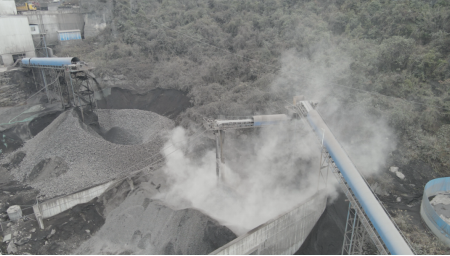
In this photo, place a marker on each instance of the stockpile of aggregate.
(140, 225)
(72, 156)
(130, 126)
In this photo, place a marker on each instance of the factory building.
(15, 38)
(8, 7)
(53, 22)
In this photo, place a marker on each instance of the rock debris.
(90, 157)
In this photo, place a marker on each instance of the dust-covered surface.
(327, 236)
(68, 155)
(441, 204)
(129, 127)
(160, 101)
(21, 123)
(140, 225)
(62, 234)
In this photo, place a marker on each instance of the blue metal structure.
(69, 35)
(264, 120)
(439, 227)
(51, 62)
(391, 237)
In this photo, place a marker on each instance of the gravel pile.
(140, 225)
(130, 126)
(91, 159)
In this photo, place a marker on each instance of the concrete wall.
(54, 21)
(97, 14)
(283, 235)
(15, 37)
(57, 205)
(8, 7)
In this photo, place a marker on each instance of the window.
(33, 29)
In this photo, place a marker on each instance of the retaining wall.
(57, 205)
(283, 235)
(437, 225)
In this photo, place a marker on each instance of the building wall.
(15, 37)
(56, 20)
(8, 7)
(36, 29)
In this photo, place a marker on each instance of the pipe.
(269, 119)
(254, 121)
(382, 223)
(59, 62)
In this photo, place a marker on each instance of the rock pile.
(90, 159)
(140, 225)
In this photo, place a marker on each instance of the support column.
(354, 235)
(218, 152)
(45, 84)
(37, 213)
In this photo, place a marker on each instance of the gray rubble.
(148, 226)
(90, 158)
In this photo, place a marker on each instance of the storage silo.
(8, 7)
(15, 38)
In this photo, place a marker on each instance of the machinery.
(219, 126)
(27, 6)
(76, 89)
(245, 122)
(366, 217)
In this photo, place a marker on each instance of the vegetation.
(230, 51)
(235, 58)
(423, 241)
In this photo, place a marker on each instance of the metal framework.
(358, 225)
(219, 126)
(77, 92)
(355, 233)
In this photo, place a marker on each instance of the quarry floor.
(66, 233)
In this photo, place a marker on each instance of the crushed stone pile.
(72, 156)
(140, 225)
(129, 127)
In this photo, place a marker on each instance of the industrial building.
(15, 35)
(54, 22)
(8, 7)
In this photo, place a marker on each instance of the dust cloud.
(322, 74)
(269, 171)
(266, 173)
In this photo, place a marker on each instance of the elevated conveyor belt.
(380, 221)
(54, 62)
